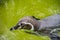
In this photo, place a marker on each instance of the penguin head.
(26, 25)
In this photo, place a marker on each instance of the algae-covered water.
(12, 10)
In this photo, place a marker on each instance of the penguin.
(45, 25)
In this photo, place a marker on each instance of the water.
(12, 10)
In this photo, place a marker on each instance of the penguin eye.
(21, 24)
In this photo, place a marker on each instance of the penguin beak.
(11, 29)
(21, 27)
(15, 27)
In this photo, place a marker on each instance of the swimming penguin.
(31, 23)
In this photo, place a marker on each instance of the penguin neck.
(42, 24)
